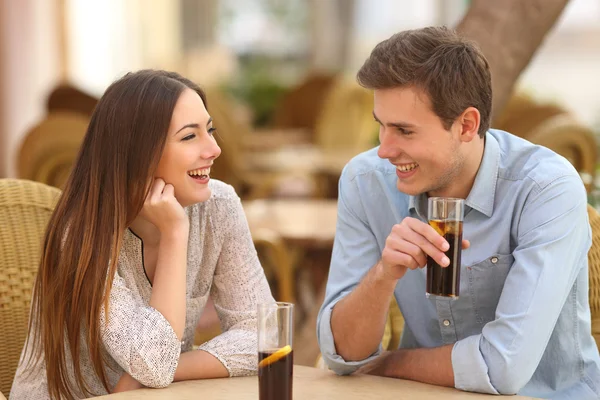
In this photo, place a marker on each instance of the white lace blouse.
(222, 263)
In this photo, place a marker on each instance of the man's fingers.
(428, 248)
(406, 247)
(396, 258)
(428, 233)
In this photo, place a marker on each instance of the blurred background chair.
(50, 148)
(550, 125)
(346, 119)
(301, 106)
(25, 208)
(69, 98)
(594, 275)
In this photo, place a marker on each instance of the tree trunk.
(331, 34)
(509, 32)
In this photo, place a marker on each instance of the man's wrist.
(392, 365)
(381, 277)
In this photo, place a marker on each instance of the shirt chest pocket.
(486, 281)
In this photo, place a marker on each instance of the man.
(522, 321)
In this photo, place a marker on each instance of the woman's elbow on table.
(155, 372)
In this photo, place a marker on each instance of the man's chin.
(409, 189)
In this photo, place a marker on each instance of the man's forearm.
(199, 364)
(433, 366)
(358, 320)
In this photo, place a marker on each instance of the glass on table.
(275, 350)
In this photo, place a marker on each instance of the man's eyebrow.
(399, 124)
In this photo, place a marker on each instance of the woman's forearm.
(199, 364)
(169, 285)
(126, 382)
(196, 364)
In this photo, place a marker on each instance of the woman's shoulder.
(221, 191)
(222, 202)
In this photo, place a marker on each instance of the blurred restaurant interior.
(280, 80)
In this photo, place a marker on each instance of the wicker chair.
(65, 97)
(594, 268)
(25, 208)
(549, 125)
(300, 107)
(50, 148)
(346, 119)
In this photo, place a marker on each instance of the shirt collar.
(482, 194)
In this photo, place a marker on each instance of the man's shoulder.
(526, 162)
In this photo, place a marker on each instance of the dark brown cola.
(275, 378)
(446, 281)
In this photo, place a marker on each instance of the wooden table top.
(307, 221)
(309, 384)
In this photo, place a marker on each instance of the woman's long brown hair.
(103, 195)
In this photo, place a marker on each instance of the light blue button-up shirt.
(522, 322)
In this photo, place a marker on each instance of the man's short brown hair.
(450, 69)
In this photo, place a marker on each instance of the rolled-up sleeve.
(139, 338)
(239, 284)
(355, 251)
(553, 240)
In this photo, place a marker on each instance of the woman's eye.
(189, 137)
(212, 131)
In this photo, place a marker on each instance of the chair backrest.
(550, 125)
(569, 138)
(523, 114)
(346, 120)
(300, 107)
(50, 148)
(25, 208)
(594, 274)
(66, 97)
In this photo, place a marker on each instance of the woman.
(138, 241)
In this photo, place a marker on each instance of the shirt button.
(446, 322)
(494, 260)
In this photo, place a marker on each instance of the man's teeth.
(407, 167)
(200, 172)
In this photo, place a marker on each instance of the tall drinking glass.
(446, 217)
(275, 354)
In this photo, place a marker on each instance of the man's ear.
(467, 124)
